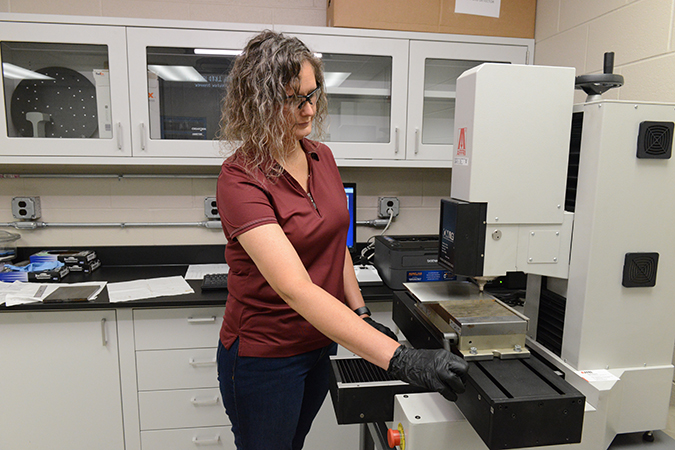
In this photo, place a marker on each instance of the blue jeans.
(272, 402)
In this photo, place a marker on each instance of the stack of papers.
(19, 293)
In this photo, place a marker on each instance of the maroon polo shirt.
(265, 325)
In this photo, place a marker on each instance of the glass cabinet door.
(434, 69)
(366, 84)
(64, 90)
(177, 82)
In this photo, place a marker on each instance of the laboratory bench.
(120, 264)
(130, 375)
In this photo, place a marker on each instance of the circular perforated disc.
(69, 99)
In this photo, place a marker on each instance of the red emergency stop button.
(393, 438)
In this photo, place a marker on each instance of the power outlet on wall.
(211, 209)
(26, 208)
(388, 204)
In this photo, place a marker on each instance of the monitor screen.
(350, 191)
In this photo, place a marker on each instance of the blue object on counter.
(36, 267)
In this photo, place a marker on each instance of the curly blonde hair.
(253, 114)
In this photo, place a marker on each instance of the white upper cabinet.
(433, 72)
(142, 92)
(177, 81)
(65, 91)
(366, 84)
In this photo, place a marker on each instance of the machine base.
(512, 403)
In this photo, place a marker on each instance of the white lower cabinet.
(174, 369)
(179, 401)
(181, 408)
(60, 381)
(191, 438)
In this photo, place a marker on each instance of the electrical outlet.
(386, 204)
(210, 208)
(27, 208)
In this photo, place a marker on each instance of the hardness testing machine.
(577, 197)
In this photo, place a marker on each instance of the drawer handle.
(213, 441)
(195, 363)
(120, 140)
(104, 333)
(211, 319)
(205, 402)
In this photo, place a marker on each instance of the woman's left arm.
(353, 296)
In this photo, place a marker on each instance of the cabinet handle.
(213, 441)
(104, 333)
(119, 136)
(417, 140)
(144, 139)
(205, 402)
(195, 363)
(211, 319)
(396, 140)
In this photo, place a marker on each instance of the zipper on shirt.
(309, 195)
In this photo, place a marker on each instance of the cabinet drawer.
(191, 438)
(176, 369)
(185, 408)
(159, 329)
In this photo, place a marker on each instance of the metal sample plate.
(484, 325)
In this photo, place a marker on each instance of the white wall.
(577, 33)
(182, 200)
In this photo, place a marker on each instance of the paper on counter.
(197, 271)
(20, 292)
(148, 288)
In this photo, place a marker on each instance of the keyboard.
(214, 281)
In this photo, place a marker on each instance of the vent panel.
(639, 269)
(655, 140)
(360, 371)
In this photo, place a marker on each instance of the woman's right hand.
(437, 370)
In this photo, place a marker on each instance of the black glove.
(381, 328)
(437, 370)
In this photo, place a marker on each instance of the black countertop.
(145, 262)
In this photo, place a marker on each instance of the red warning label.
(461, 142)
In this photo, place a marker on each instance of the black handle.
(609, 62)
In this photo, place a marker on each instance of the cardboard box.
(516, 18)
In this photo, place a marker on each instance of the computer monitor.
(350, 191)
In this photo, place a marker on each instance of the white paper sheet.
(148, 288)
(19, 292)
(197, 271)
(489, 8)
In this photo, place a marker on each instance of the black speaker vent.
(655, 140)
(639, 269)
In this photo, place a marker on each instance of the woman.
(293, 292)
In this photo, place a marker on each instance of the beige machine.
(587, 215)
